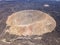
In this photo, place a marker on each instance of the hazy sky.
(57, 0)
(16, 0)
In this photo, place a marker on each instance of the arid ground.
(9, 7)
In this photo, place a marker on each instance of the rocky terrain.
(7, 8)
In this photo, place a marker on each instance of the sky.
(16, 0)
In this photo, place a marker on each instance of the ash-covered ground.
(9, 7)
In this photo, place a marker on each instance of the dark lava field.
(9, 7)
